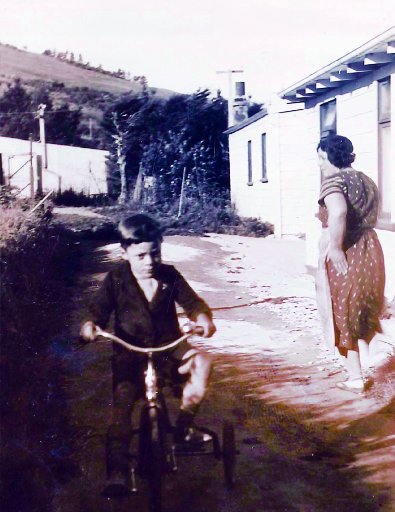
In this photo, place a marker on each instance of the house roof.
(250, 120)
(372, 55)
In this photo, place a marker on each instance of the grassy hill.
(28, 66)
(93, 92)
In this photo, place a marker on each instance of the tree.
(18, 116)
(254, 108)
(120, 142)
(63, 126)
(162, 138)
(136, 119)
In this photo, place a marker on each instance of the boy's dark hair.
(139, 228)
(339, 150)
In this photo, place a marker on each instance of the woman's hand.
(338, 259)
(202, 320)
(88, 331)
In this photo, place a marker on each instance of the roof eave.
(371, 55)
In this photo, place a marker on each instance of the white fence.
(81, 169)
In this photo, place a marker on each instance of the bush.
(215, 215)
(35, 264)
(71, 198)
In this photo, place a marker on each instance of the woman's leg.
(353, 364)
(363, 347)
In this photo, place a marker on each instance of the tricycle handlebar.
(147, 350)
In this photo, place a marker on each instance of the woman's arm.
(337, 214)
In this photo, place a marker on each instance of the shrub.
(214, 215)
(71, 198)
(34, 266)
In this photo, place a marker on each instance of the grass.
(32, 66)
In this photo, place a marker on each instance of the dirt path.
(304, 445)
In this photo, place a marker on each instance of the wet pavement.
(304, 445)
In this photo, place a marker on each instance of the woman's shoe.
(369, 381)
(355, 386)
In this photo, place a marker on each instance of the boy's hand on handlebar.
(206, 324)
(88, 331)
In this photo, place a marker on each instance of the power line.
(35, 113)
(15, 113)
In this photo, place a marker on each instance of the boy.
(142, 293)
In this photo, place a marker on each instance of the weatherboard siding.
(254, 199)
(298, 171)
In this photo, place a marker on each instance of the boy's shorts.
(130, 367)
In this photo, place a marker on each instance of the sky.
(182, 44)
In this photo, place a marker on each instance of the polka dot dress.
(358, 296)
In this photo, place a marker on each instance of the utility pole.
(31, 172)
(230, 73)
(40, 113)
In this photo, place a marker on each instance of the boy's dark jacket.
(138, 321)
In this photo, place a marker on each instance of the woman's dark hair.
(339, 150)
(139, 228)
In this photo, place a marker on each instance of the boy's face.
(143, 258)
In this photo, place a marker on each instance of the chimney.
(240, 103)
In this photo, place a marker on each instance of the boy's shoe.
(190, 437)
(116, 486)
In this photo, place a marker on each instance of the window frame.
(383, 123)
(264, 178)
(325, 108)
(249, 169)
(384, 117)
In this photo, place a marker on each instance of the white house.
(63, 167)
(273, 164)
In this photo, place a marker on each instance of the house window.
(263, 150)
(384, 147)
(249, 182)
(384, 99)
(327, 118)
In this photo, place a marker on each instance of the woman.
(353, 256)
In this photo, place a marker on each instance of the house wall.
(255, 199)
(289, 199)
(82, 169)
(299, 176)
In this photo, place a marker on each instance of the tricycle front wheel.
(152, 453)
